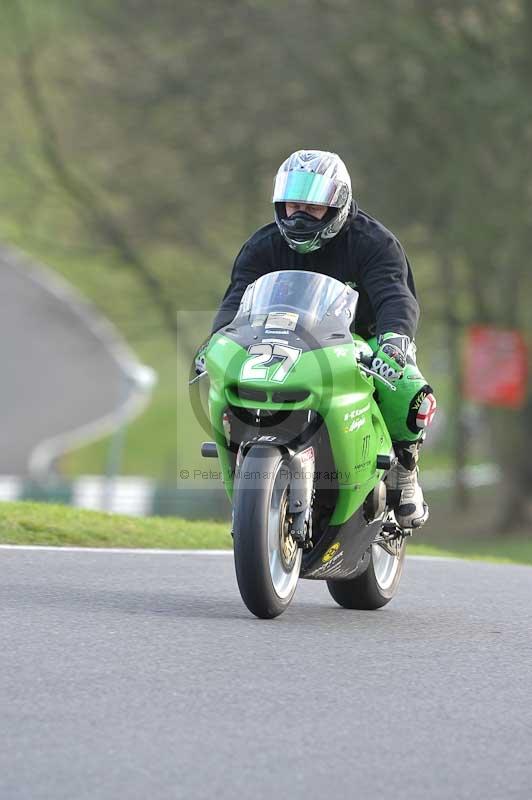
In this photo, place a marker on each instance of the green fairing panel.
(339, 392)
(222, 369)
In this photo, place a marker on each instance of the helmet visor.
(300, 186)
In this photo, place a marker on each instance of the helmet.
(315, 177)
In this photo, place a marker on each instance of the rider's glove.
(390, 359)
(199, 358)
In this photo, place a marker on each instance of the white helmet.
(314, 177)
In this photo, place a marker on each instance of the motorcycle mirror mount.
(197, 378)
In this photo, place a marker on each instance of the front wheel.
(267, 559)
(378, 583)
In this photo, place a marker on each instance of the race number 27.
(257, 365)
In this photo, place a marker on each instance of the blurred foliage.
(144, 138)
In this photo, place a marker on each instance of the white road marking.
(129, 550)
(155, 552)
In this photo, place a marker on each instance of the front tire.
(267, 560)
(376, 586)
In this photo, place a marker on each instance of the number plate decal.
(269, 362)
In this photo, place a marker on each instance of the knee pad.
(421, 410)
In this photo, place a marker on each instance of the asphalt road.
(143, 676)
(56, 374)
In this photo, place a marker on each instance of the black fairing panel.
(330, 331)
(340, 551)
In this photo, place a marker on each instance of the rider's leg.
(411, 510)
(407, 411)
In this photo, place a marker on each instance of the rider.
(318, 227)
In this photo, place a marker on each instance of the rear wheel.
(267, 559)
(378, 583)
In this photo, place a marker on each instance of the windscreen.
(307, 293)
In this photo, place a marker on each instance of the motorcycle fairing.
(340, 553)
(330, 384)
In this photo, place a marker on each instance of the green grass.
(47, 524)
(506, 550)
(150, 442)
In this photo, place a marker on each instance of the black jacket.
(364, 253)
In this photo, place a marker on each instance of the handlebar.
(365, 362)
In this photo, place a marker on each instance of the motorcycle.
(302, 445)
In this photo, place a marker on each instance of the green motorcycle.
(303, 447)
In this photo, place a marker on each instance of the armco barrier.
(190, 503)
(129, 495)
(51, 493)
(139, 496)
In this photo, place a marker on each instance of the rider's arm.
(246, 269)
(387, 279)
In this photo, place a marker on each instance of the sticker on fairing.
(331, 552)
(282, 319)
(356, 412)
(260, 360)
(355, 425)
(307, 455)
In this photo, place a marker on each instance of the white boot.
(410, 508)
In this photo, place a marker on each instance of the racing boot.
(406, 494)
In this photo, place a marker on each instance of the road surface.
(56, 373)
(144, 676)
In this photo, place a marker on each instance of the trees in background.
(163, 127)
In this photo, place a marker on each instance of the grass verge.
(47, 524)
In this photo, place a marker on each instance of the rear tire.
(267, 561)
(377, 584)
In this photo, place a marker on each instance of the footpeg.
(391, 530)
(390, 527)
(385, 462)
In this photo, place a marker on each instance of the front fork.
(301, 496)
(301, 486)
